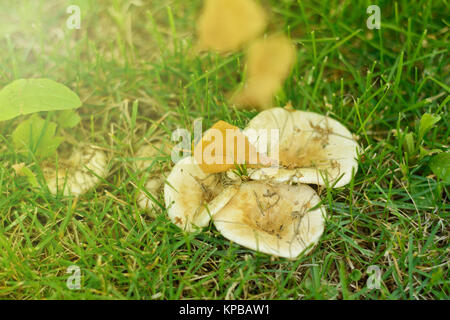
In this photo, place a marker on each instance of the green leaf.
(440, 165)
(68, 119)
(37, 135)
(425, 152)
(426, 123)
(409, 143)
(26, 96)
(437, 275)
(30, 176)
(355, 275)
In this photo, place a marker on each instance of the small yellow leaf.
(226, 25)
(18, 168)
(269, 62)
(223, 146)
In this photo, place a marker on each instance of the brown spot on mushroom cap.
(303, 151)
(272, 218)
(312, 148)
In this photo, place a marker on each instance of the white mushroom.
(277, 219)
(311, 148)
(146, 157)
(77, 174)
(192, 196)
(153, 187)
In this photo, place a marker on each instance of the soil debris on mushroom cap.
(277, 219)
(312, 148)
(77, 174)
(192, 196)
(226, 25)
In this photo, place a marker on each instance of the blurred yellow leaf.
(269, 62)
(226, 25)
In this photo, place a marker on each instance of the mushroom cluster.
(77, 174)
(268, 209)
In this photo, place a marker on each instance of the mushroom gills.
(192, 196)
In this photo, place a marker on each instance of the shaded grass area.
(393, 215)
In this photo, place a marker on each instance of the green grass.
(394, 214)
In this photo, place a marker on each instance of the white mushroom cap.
(153, 187)
(77, 174)
(312, 148)
(272, 218)
(192, 196)
(146, 156)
